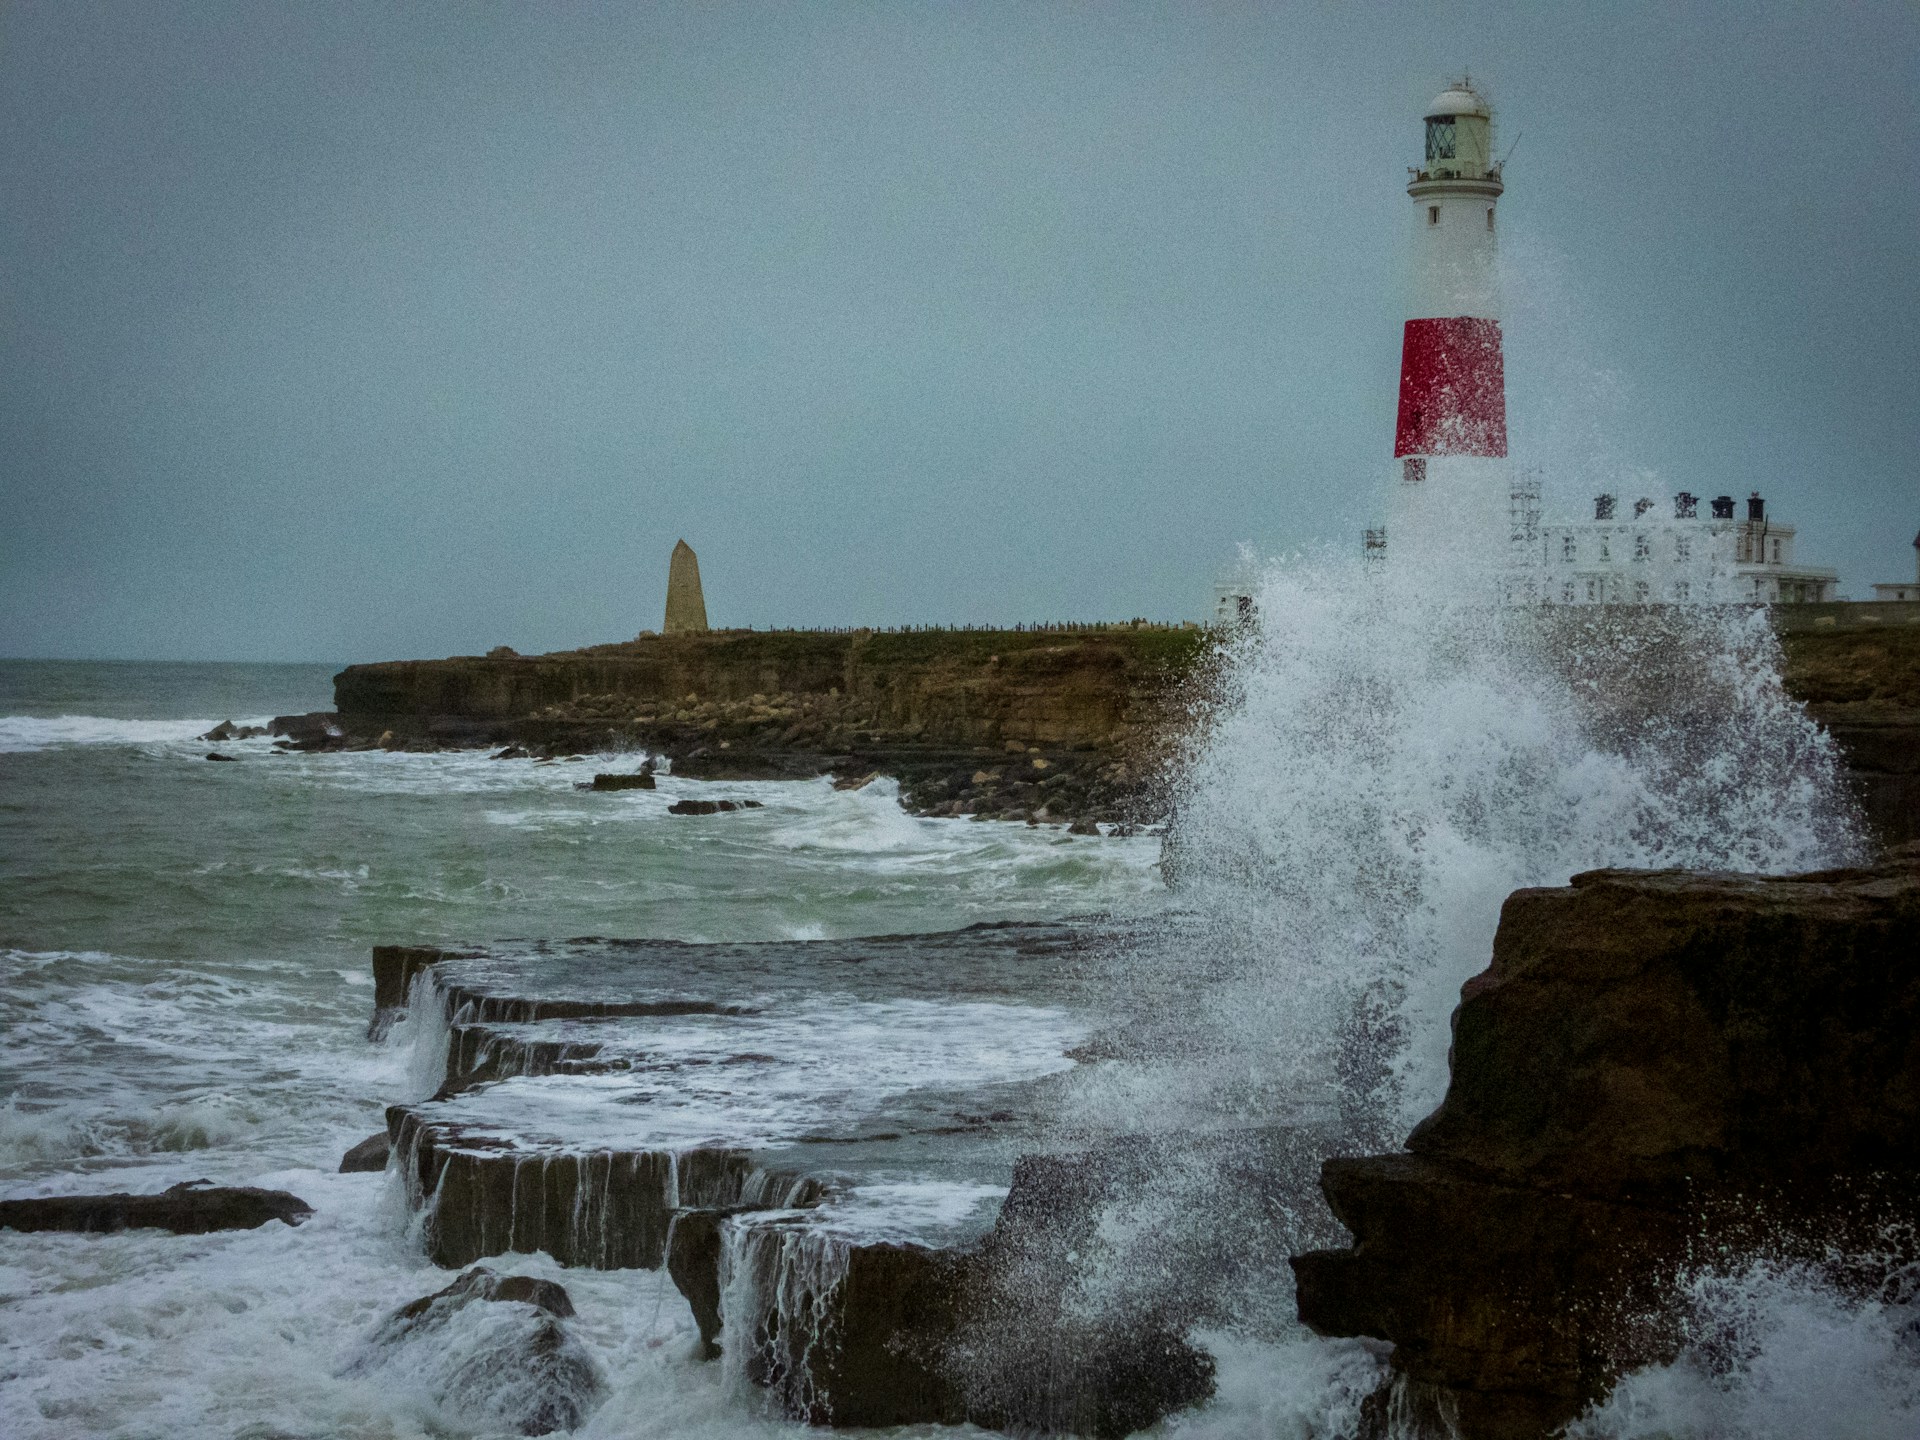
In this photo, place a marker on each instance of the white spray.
(1382, 759)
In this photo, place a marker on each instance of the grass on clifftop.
(1153, 645)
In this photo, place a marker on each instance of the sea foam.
(25, 733)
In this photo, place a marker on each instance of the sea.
(187, 991)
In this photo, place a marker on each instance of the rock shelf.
(599, 1107)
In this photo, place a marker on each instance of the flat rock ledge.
(1657, 1066)
(836, 1332)
(872, 1334)
(191, 1208)
(601, 1209)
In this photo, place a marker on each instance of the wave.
(1778, 1352)
(26, 733)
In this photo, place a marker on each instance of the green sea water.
(185, 988)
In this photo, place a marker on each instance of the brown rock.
(642, 781)
(531, 1376)
(192, 1208)
(693, 1263)
(370, 1154)
(1657, 1065)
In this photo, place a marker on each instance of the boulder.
(216, 755)
(316, 730)
(227, 730)
(710, 807)
(493, 1353)
(369, 1155)
(1657, 1065)
(482, 1283)
(693, 1262)
(642, 781)
(195, 1207)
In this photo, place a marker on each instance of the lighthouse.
(1451, 483)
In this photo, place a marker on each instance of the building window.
(1414, 469)
(1640, 592)
(1606, 551)
(1682, 591)
(1593, 591)
(1683, 547)
(1489, 217)
(1776, 552)
(1642, 547)
(1569, 549)
(1433, 214)
(1566, 593)
(1440, 134)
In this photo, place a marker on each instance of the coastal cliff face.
(953, 688)
(941, 710)
(1857, 668)
(1047, 725)
(1657, 1066)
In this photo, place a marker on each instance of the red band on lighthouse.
(1453, 389)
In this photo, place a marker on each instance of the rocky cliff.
(1656, 1067)
(1000, 723)
(944, 710)
(1857, 667)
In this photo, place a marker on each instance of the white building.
(1653, 554)
(1898, 591)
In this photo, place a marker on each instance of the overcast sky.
(345, 331)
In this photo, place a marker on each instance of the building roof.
(1458, 99)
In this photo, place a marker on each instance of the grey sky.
(347, 331)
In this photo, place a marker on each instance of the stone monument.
(686, 604)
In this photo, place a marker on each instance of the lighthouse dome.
(1456, 100)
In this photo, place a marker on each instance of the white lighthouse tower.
(1452, 487)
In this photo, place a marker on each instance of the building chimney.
(1756, 507)
(1641, 506)
(1685, 506)
(1603, 507)
(1723, 507)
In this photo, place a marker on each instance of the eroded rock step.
(594, 1087)
(592, 976)
(479, 1053)
(604, 1209)
(820, 1165)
